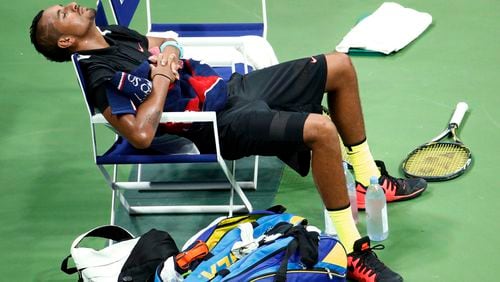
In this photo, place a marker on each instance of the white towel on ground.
(389, 29)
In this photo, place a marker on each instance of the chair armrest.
(188, 117)
(170, 117)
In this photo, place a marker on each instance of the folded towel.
(254, 50)
(389, 29)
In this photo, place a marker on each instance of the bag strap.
(111, 232)
(64, 266)
(277, 209)
(290, 250)
(306, 242)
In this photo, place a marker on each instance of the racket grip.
(459, 113)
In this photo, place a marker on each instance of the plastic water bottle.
(376, 211)
(351, 190)
(329, 227)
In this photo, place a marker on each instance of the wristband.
(164, 75)
(172, 43)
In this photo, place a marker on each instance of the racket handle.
(459, 113)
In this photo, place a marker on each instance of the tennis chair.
(122, 152)
(226, 47)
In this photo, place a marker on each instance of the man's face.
(69, 20)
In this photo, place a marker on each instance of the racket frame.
(451, 132)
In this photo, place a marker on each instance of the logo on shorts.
(313, 60)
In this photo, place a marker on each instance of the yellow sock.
(361, 159)
(345, 226)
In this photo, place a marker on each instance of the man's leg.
(345, 108)
(321, 135)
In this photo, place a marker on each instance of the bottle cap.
(373, 180)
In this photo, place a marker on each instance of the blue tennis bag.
(301, 256)
(269, 246)
(275, 247)
(222, 254)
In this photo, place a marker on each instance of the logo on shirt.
(313, 60)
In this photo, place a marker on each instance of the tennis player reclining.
(275, 111)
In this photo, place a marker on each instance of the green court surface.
(52, 191)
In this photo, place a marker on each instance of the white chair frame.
(139, 184)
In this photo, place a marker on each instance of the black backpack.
(153, 248)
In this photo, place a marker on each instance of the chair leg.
(117, 192)
(235, 186)
(255, 172)
(250, 185)
(113, 196)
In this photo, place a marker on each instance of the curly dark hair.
(44, 38)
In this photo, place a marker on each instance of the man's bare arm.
(140, 129)
(157, 41)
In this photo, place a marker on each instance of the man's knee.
(339, 61)
(319, 129)
(339, 69)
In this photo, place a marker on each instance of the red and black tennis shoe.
(396, 189)
(363, 264)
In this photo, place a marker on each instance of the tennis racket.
(444, 157)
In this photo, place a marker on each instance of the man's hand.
(165, 65)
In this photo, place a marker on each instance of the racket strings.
(436, 160)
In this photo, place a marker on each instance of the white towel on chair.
(254, 50)
(389, 29)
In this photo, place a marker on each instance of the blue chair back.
(211, 29)
(100, 16)
(124, 10)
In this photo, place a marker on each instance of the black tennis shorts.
(267, 109)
